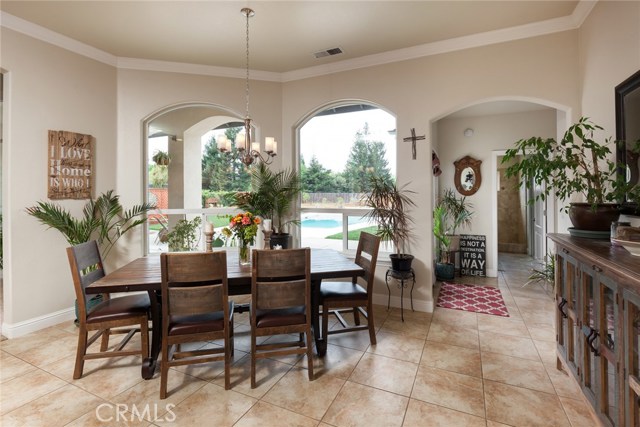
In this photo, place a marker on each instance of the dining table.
(143, 274)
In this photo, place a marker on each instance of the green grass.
(353, 234)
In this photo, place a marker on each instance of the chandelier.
(248, 149)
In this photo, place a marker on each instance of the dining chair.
(195, 308)
(131, 310)
(281, 304)
(339, 297)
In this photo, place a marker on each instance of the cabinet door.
(607, 350)
(566, 316)
(588, 322)
(631, 333)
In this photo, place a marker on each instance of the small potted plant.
(458, 214)
(445, 268)
(161, 158)
(576, 164)
(389, 206)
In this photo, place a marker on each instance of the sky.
(329, 137)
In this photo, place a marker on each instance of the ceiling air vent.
(328, 52)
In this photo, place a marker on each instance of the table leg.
(402, 299)
(149, 364)
(413, 284)
(321, 345)
(386, 280)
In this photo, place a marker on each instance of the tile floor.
(447, 368)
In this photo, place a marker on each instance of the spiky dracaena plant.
(389, 204)
(103, 219)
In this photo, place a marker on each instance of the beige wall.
(493, 132)
(46, 88)
(421, 91)
(51, 88)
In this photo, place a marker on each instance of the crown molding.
(207, 70)
(550, 26)
(40, 33)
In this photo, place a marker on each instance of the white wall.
(46, 88)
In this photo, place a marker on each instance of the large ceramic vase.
(401, 262)
(583, 217)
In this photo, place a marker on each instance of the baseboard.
(15, 330)
(425, 306)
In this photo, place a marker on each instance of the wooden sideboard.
(597, 289)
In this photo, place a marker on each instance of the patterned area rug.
(479, 299)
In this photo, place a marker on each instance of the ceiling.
(283, 34)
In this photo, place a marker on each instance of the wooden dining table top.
(143, 274)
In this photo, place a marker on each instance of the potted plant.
(161, 158)
(103, 219)
(389, 206)
(445, 268)
(273, 196)
(575, 165)
(184, 236)
(458, 214)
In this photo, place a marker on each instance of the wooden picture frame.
(467, 177)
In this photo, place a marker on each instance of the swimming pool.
(328, 223)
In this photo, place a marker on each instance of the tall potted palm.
(273, 195)
(103, 219)
(458, 214)
(389, 204)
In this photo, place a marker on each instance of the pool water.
(327, 223)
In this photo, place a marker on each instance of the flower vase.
(245, 254)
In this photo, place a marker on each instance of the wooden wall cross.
(413, 138)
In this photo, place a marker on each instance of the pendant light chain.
(248, 12)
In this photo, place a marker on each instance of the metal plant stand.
(402, 279)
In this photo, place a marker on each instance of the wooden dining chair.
(281, 304)
(195, 308)
(338, 297)
(131, 310)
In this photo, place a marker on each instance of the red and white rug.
(478, 299)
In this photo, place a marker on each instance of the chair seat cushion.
(199, 323)
(342, 290)
(119, 308)
(281, 317)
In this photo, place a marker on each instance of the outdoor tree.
(158, 176)
(316, 178)
(221, 172)
(366, 160)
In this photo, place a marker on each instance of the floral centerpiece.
(243, 227)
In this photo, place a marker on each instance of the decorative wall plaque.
(70, 165)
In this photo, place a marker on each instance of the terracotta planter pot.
(584, 218)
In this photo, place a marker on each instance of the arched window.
(341, 148)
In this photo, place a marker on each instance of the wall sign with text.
(69, 165)
(473, 255)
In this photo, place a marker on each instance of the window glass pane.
(340, 150)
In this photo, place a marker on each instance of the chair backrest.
(280, 279)
(194, 283)
(86, 267)
(367, 256)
